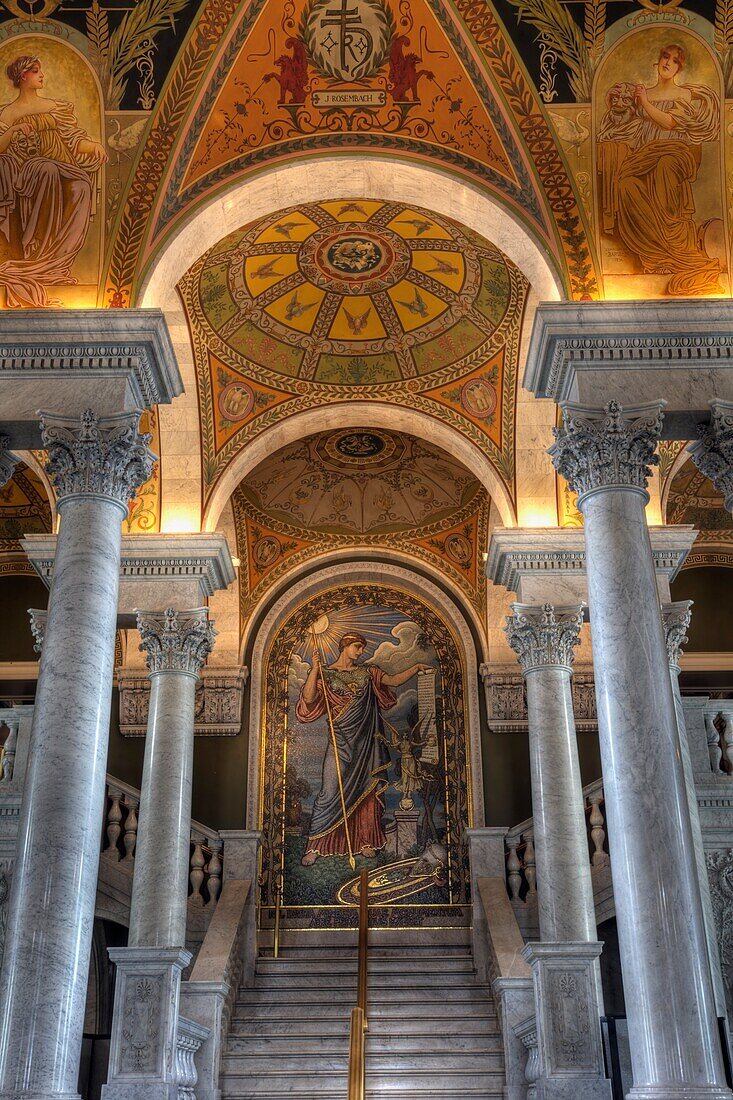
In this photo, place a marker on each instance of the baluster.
(214, 872)
(713, 736)
(529, 863)
(114, 828)
(130, 837)
(514, 867)
(198, 862)
(599, 857)
(728, 741)
(9, 749)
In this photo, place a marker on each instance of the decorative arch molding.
(366, 556)
(411, 582)
(349, 177)
(677, 464)
(359, 414)
(33, 463)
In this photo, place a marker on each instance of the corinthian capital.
(38, 627)
(99, 457)
(676, 620)
(176, 641)
(8, 461)
(713, 452)
(607, 448)
(544, 636)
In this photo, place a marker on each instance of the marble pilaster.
(96, 466)
(176, 644)
(713, 452)
(606, 456)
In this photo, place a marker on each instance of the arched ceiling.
(24, 510)
(693, 499)
(355, 299)
(354, 488)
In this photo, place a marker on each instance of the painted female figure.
(357, 695)
(47, 167)
(650, 149)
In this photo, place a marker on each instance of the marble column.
(606, 457)
(543, 639)
(176, 644)
(8, 461)
(713, 452)
(96, 466)
(676, 620)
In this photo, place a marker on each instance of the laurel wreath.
(308, 31)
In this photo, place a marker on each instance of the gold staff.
(316, 642)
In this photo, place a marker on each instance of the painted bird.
(442, 267)
(418, 306)
(352, 208)
(286, 228)
(357, 322)
(295, 308)
(266, 271)
(418, 224)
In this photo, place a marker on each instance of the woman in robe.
(357, 694)
(47, 167)
(649, 171)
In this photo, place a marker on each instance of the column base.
(152, 1091)
(676, 1091)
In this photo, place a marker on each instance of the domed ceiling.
(354, 298)
(358, 293)
(693, 499)
(360, 488)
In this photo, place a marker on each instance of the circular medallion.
(358, 448)
(236, 401)
(266, 551)
(458, 548)
(347, 41)
(478, 398)
(351, 259)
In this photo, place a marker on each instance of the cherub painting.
(48, 179)
(651, 140)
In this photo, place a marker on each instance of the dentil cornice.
(176, 641)
(676, 620)
(544, 636)
(106, 457)
(713, 452)
(609, 448)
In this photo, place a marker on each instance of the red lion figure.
(293, 75)
(403, 72)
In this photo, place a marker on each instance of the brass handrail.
(359, 1022)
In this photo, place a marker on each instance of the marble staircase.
(433, 1029)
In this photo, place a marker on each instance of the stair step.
(416, 992)
(255, 1026)
(336, 1060)
(301, 1082)
(347, 980)
(377, 1045)
(388, 1011)
(327, 964)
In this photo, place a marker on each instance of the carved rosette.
(676, 620)
(713, 452)
(609, 448)
(105, 457)
(38, 627)
(8, 461)
(176, 641)
(544, 636)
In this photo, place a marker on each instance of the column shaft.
(669, 999)
(48, 941)
(96, 466)
(160, 887)
(564, 890)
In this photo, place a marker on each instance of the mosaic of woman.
(650, 149)
(47, 168)
(357, 694)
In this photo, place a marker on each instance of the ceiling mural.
(354, 299)
(354, 489)
(693, 499)
(24, 510)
